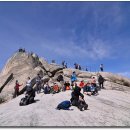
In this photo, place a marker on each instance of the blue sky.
(88, 33)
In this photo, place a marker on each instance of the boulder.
(46, 78)
(85, 75)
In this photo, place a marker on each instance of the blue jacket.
(73, 77)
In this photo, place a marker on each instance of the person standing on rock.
(38, 83)
(76, 66)
(101, 81)
(63, 64)
(73, 77)
(101, 67)
(16, 88)
(28, 83)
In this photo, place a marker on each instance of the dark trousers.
(80, 104)
(101, 85)
(95, 86)
(38, 88)
(16, 93)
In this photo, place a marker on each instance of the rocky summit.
(110, 108)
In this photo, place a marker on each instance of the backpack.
(64, 105)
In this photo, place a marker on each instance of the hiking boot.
(86, 106)
(81, 109)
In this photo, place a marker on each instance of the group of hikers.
(77, 98)
(78, 66)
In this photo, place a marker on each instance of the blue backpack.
(64, 105)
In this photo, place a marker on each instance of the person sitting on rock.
(30, 94)
(87, 89)
(73, 77)
(47, 88)
(81, 84)
(73, 85)
(67, 85)
(94, 86)
(101, 81)
(60, 78)
(56, 88)
(17, 85)
(77, 99)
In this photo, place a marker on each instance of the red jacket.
(17, 86)
(81, 84)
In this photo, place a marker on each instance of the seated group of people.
(51, 89)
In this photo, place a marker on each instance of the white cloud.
(95, 49)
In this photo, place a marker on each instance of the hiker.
(101, 81)
(76, 66)
(53, 61)
(28, 83)
(73, 85)
(60, 78)
(56, 88)
(38, 83)
(77, 99)
(101, 67)
(73, 77)
(79, 67)
(29, 97)
(66, 85)
(81, 84)
(87, 89)
(16, 88)
(93, 81)
(94, 86)
(66, 65)
(86, 68)
(47, 88)
(63, 64)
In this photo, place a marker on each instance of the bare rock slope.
(23, 65)
(109, 108)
